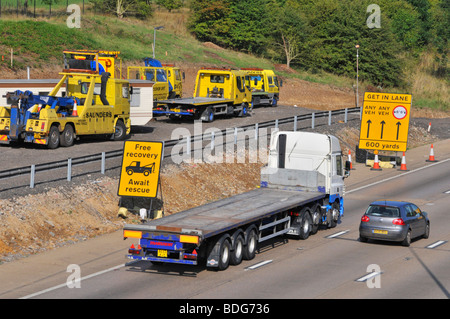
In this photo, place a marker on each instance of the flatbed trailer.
(289, 200)
(205, 108)
(217, 92)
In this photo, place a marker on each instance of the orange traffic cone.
(350, 159)
(75, 111)
(431, 158)
(376, 163)
(403, 165)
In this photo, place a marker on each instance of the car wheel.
(363, 239)
(407, 241)
(427, 231)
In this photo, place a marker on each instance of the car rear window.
(382, 211)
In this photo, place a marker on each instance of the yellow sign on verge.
(139, 175)
(385, 121)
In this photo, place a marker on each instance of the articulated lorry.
(301, 188)
(264, 86)
(217, 92)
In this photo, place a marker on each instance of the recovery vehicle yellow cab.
(264, 86)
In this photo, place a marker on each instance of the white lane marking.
(338, 234)
(397, 176)
(447, 192)
(434, 245)
(78, 280)
(259, 265)
(368, 276)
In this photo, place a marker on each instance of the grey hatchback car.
(393, 221)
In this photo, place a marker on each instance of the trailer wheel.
(67, 137)
(251, 244)
(237, 253)
(224, 256)
(53, 137)
(316, 213)
(305, 223)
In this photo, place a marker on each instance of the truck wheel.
(334, 216)
(244, 110)
(67, 137)
(120, 131)
(250, 247)
(305, 223)
(224, 257)
(237, 253)
(53, 137)
(315, 218)
(210, 115)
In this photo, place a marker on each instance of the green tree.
(210, 21)
(170, 4)
(289, 31)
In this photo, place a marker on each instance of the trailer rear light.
(398, 221)
(132, 234)
(135, 251)
(365, 218)
(188, 239)
(192, 256)
(190, 110)
(296, 214)
(42, 126)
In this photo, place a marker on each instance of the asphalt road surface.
(330, 264)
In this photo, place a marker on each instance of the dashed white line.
(436, 244)
(368, 276)
(338, 234)
(255, 266)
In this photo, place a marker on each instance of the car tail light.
(398, 221)
(365, 218)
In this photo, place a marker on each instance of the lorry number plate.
(162, 253)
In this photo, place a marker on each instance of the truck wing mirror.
(347, 168)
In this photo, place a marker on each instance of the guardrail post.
(256, 131)
(313, 117)
(103, 162)
(329, 117)
(295, 123)
(33, 169)
(235, 135)
(346, 115)
(212, 140)
(276, 123)
(69, 169)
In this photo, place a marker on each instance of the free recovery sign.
(139, 175)
(385, 121)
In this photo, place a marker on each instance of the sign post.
(139, 174)
(385, 121)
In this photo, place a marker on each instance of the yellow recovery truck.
(218, 91)
(264, 85)
(95, 103)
